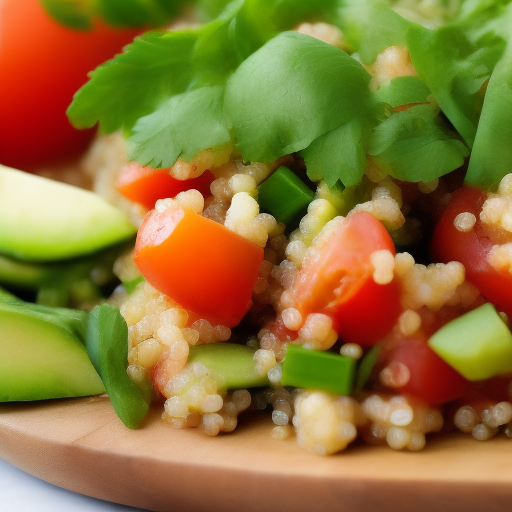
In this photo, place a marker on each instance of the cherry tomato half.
(42, 65)
(472, 248)
(340, 282)
(430, 378)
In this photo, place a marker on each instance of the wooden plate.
(81, 445)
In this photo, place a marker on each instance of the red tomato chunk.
(340, 283)
(43, 63)
(145, 185)
(472, 248)
(203, 266)
(429, 377)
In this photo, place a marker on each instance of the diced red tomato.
(472, 248)
(202, 265)
(145, 185)
(42, 65)
(340, 283)
(430, 378)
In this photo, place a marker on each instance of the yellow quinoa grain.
(383, 263)
(352, 350)
(324, 32)
(292, 318)
(464, 222)
(409, 322)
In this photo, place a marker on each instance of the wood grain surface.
(81, 445)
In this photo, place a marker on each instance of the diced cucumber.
(44, 220)
(478, 344)
(42, 359)
(231, 365)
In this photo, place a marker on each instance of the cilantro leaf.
(153, 68)
(76, 14)
(491, 157)
(456, 60)
(182, 126)
(291, 91)
(370, 26)
(413, 146)
(136, 13)
(402, 90)
(337, 155)
(454, 70)
(79, 14)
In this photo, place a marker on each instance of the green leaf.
(456, 60)
(181, 127)
(370, 26)
(414, 146)
(491, 158)
(76, 14)
(153, 68)
(263, 20)
(291, 91)
(107, 347)
(136, 13)
(337, 155)
(403, 90)
(79, 14)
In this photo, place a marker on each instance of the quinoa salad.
(305, 210)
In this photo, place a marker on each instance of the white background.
(21, 492)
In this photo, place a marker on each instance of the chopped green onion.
(130, 285)
(284, 195)
(366, 366)
(314, 369)
(478, 344)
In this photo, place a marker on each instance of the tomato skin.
(430, 378)
(43, 64)
(145, 185)
(202, 265)
(471, 248)
(340, 283)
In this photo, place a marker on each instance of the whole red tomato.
(42, 64)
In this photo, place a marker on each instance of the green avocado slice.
(44, 220)
(41, 358)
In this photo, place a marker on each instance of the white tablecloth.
(21, 492)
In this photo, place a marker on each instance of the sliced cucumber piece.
(232, 365)
(478, 344)
(41, 358)
(44, 220)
